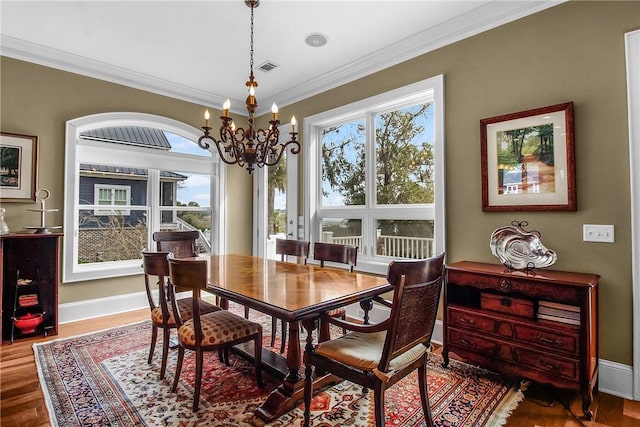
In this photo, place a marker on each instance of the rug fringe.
(509, 403)
(47, 398)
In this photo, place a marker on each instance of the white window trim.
(76, 148)
(414, 93)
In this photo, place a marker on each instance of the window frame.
(428, 90)
(79, 151)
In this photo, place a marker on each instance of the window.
(128, 175)
(112, 195)
(376, 174)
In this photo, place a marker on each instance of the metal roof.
(146, 137)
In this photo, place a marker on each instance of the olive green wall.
(571, 52)
(37, 100)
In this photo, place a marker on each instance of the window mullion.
(153, 202)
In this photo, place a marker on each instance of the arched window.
(126, 176)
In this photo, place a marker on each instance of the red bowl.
(28, 323)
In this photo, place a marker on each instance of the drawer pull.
(547, 340)
(465, 320)
(550, 365)
(466, 343)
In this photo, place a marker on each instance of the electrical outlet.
(598, 233)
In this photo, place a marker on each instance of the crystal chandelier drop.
(252, 146)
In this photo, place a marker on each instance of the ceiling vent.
(268, 66)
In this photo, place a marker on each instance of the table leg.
(286, 396)
(291, 391)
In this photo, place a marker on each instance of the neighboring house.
(121, 186)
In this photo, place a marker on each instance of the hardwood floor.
(22, 403)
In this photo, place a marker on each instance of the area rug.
(103, 379)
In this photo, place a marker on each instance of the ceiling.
(199, 50)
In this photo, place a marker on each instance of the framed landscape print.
(528, 160)
(18, 167)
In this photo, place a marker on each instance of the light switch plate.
(598, 233)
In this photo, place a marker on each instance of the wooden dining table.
(292, 292)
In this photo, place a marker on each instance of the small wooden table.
(291, 292)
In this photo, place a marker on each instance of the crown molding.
(481, 19)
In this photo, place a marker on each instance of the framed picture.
(528, 160)
(18, 167)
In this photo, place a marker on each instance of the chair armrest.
(383, 301)
(357, 327)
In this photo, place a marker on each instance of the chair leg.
(176, 378)
(308, 393)
(424, 395)
(198, 384)
(378, 398)
(257, 355)
(284, 335)
(246, 312)
(154, 338)
(344, 317)
(274, 327)
(166, 332)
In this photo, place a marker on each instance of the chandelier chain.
(251, 44)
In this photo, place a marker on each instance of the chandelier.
(252, 146)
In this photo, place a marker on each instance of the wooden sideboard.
(540, 325)
(29, 269)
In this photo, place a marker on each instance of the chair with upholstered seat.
(378, 356)
(219, 330)
(156, 272)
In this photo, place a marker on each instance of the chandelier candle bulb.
(274, 111)
(206, 118)
(293, 124)
(225, 108)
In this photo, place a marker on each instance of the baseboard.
(614, 378)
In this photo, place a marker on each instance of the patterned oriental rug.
(103, 379)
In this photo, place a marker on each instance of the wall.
(571, 52)
(37, 100)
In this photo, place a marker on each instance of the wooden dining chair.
(337, 253)
(182, 244)
(284, 248)
(334, 252)
(378, 356)
(215, 331)
(156, 272)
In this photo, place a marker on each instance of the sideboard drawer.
(506, 304)
(466, 319)
(555, 341)
(548, 363)
(470, 341)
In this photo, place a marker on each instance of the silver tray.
(519, 249)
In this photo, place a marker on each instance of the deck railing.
(392, 246)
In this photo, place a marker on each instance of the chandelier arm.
(295, 149)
